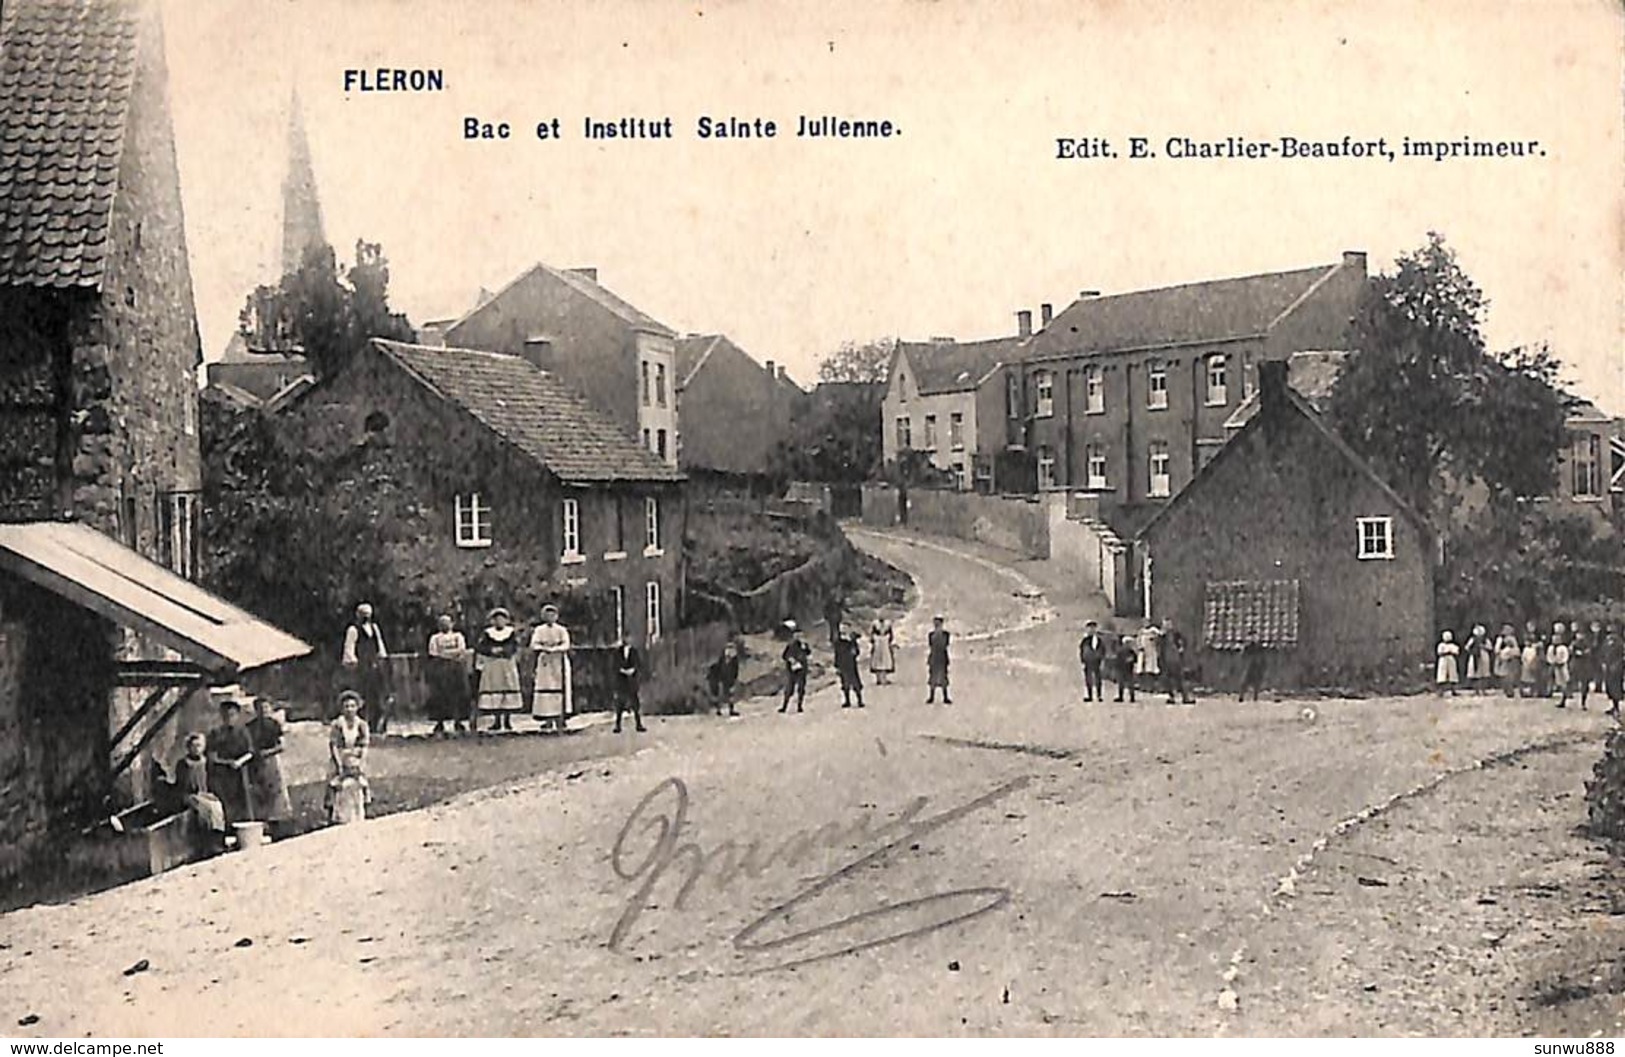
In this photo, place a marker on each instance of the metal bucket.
(250, 835)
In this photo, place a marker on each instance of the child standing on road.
(1126, 657)
(1534, 651)
(1447, 674)
(1508, 660)
(1557, 664)
(797, 655)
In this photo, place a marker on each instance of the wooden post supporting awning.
(215, 641)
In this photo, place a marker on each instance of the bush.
(1605, 792)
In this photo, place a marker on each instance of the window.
(1376, 537)
(178, 543)
(651, 524)
(1012, 395)
(617, 529)
(473, 521)
(1159, 483)
(1094, 391)
(572, 530)
(960, 480)
(189, 411)
(129, 526)
(648, 439)
(1246, 375)
(1044, 381)
(645, 383)
(617, 596)
(956, 431)
(660, 384)
(1218, 375)
(651, 609)
(1587, 459)
(1156, 384)
(1095, 467)
(660, 443)
(904, 441)
(930, 431)
(1046, 468)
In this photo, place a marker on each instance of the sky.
(793, 246)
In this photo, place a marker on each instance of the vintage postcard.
(1061, 518)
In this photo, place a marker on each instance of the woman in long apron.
(882, 651)
(447, 678)
(499, 672)
(553, 701)
(271, 802)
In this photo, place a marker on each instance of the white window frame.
(651, 527)
(1218, 394)
(189, 411)
(930, 432)
(660, 385)
(1382, 548)
(1095, 454)
(472, 519)
(1094, 391)
(1594, 451)
(956, 430)
(1158, 485)
(1247, 385)
(1044, 386)
(618, 593)
(1046, 468)
(1156, 385)
(905, 433)
(570, 536)
(651, 610)
(1012, 395)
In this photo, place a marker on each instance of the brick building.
(1288, 536)
(735, 411)
(622, 360)
(502, 482)
(1126, 396)
(102, 638)
(951, 400)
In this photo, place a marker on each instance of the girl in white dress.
(1448, 673)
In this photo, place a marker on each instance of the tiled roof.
(1194, 312)
(1312, 376)
(955, 366)
(1237, 612)
(532, 410)
(67, 68)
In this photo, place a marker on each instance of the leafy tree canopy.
(325, 312)
(853, 362)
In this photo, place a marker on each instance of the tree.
(853, 362)
(325, 314)
(1429, 407)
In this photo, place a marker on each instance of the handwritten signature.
(662, 814)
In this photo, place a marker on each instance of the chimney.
(1354, 259)
(1084, 295)
(1271, 386)
(772, 370)
(1046, 312)
(1024, 322)
(589, 274)
(780, 375)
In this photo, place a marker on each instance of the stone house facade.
(509, 486)
(1288, 537)
(950, 399)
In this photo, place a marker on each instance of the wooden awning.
(103, 575)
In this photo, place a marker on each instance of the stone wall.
(1016, 524)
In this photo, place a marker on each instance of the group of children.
(1537, 664)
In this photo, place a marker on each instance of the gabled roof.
(532, 410)
(1217, 310)
(692, 352)
(67, 70)
(1295, 403)
(1311, 374)
(588, 288)
(957, 366)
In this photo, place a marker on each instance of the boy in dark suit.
(628, 673)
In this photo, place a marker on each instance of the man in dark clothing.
(846, 666)
(628, 674)
(1126, 658)
(1173, 664)
(1252, 672)
(1092, 654)
(936, 661)
(364, 658)
(797, 654)
(721, 677)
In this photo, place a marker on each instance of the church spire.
(301, 209)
